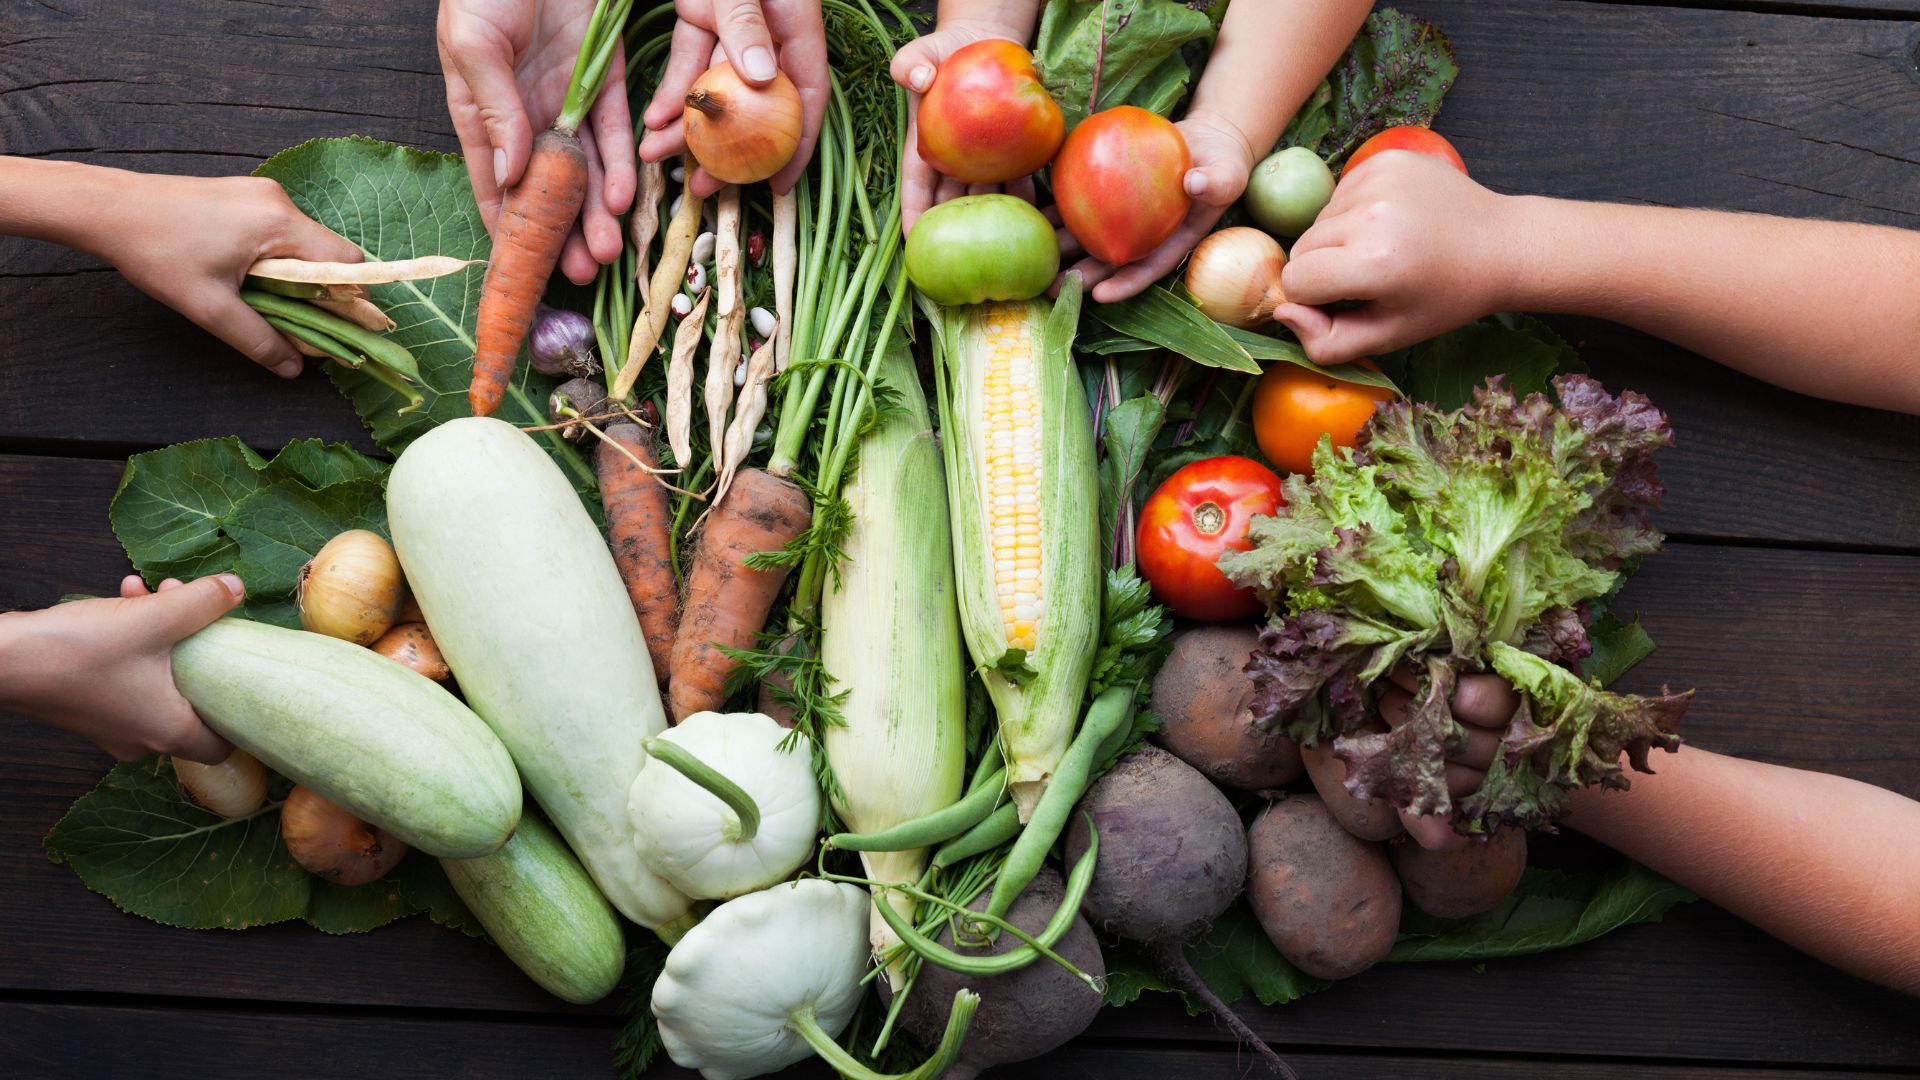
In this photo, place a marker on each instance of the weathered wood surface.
(1801, 656)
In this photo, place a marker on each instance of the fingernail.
(235, 587)
(759, 64)
(920, 78)
(499, 167)
(287, 369)
(1196, 183)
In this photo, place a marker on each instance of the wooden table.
(1789, 595)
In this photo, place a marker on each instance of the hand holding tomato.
(1198, 514)
(1219, 162)
(914, 68)
(1294, 406)
(1423, 249)
(987, 118)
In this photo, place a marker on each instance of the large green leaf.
(141, 843)
(1397, 71)
(214, 505)
(1549, 909)
(1447, 369)
(398, 203)
(1095, 54)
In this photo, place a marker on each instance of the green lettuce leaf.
(140, 842)
(398, 203)
(1095, 54)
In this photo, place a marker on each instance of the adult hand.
(1222, 161)
(507, 65)
(923, 187)
(103, 669)
(187, 241)
(1422, 247)
(1482, 704)
(760, 38)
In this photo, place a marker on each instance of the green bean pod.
(1000, 826)
(943, 824)
(379, 349)
(345, 356)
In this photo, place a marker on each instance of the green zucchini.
(542, 909)
(385, 743)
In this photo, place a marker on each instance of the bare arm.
(1821, 862)
(1825, 308)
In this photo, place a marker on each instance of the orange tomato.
(1411, 137)
(1120, 183)
(987, 118)
(1293, 406)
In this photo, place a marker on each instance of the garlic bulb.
(352, 589)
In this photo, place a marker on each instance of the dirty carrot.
(535, 216)
(727, 601)
(640, 528)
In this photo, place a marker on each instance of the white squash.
(757, 824)
(529, 611)
(772, 977)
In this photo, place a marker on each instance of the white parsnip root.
(360, 273)
(675, 250)
(679, 417)
(723, 355)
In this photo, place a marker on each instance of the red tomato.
(987, 118)
(1199, 514)
(1293, 406)
(1406, 137)
(1120, 182)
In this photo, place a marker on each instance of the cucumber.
(385, 743)
(542, 909)
(529, 611)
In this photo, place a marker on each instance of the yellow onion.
(352, 589)
(1234, 276)
(333, 844)
(742, 133)
(412, 644)
(234, 788)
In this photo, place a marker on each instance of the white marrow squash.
(544, 912)
(529, 611)
(386, 743)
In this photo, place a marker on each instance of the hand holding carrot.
(102, 668)
(507, 66)
(759, 38)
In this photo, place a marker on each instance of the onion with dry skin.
(352, 589)
(330, 843)
(412, 644)
(742, 133)
(1234, 276)
(234, 788)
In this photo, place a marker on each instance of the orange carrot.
(639, 526)
(535, 217)
(727, 601)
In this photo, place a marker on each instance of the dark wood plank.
(54, 1041)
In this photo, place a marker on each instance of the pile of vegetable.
(805, 598)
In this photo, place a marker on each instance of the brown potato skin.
(1200, 694)
(1172, 852)
(1327, 899)
(1465, 881)
(1368, 819)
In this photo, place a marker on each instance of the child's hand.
(923, 187)
(1222, 161)
(102, 669)
(760, 38)
(1421, 246)
(187, 242)
(1483, 704)
(507, 64)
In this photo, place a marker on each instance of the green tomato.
(982, 247)
(1288, 190)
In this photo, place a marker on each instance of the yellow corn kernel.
(1012, 448)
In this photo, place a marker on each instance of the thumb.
(914, 65)
(1215, 183)
(1310, 324)
(178, 612)
(485, 63)
(742, 28)
(310, 240)
(189, 736)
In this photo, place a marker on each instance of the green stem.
(709, 779)
(804, 1023)
(604, 29)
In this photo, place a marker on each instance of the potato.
(1465, 881)
(1327, 899)
(1368, 819)
(1200, 694)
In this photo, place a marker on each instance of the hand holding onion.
(738, 132)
